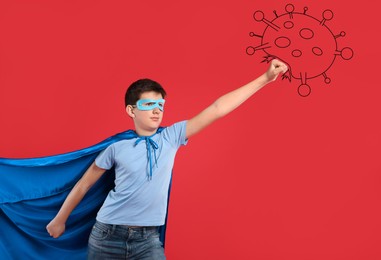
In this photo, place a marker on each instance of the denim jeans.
(123, 242)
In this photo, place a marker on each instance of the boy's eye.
(149, 104)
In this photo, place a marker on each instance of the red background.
(282, 177)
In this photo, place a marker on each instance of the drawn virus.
(303, 42)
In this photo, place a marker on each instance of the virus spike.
(327, 16)
(346, 53)
(290, 9)
(251, 50)
(342, 34)
(303, 78)
(268, 58)
(259, 16)
(327, 79)
(272, 25)
(287, 75)
(256, 35)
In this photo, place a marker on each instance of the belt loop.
(144, 232)
(113, 227)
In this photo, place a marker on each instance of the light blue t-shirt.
(138, 199)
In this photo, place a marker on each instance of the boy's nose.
(156, 110)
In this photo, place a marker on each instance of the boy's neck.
(141, 132)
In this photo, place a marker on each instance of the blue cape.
(31, 193)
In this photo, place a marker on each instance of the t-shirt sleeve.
(176, 134)
(105, 159)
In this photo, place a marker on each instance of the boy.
(126, 224)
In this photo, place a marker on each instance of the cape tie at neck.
(151, 145)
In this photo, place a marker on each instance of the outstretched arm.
(56, 227)
(230, 101)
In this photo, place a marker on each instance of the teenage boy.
(127, 224)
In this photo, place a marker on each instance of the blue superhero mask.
(150, 104)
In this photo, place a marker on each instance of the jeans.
(122, 242)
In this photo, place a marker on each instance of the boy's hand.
(276, 67)
(55, 228)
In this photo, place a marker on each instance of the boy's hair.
(140, 86)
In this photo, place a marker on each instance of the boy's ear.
(130, 111)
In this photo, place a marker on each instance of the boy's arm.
(56, 227)
(230, 101)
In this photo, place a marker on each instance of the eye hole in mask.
(150, 104)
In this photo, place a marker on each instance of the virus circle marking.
(302, 41)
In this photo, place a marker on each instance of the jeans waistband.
(123, 230)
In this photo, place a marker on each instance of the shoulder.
(175, 133)
(179, 124)
(176, 127)
(119, 146)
